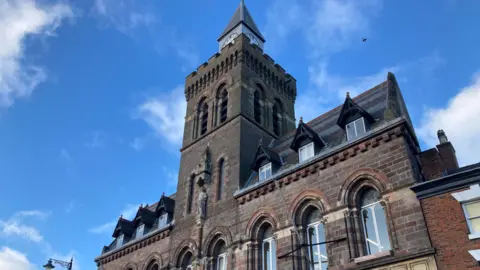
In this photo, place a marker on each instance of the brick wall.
(449, 232)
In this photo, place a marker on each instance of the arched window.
(220, 256)
(257, 107)
(277, 118)
(153, 265)
(268, 254)
(191, 190)
(315, 235)
(374, 222)
(202, 116)
(186, 261)
(223, 105)
(221, 180)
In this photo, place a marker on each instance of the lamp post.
(50, 266)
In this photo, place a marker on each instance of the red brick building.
(451, 206)
(258, 192)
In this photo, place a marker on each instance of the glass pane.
(311, 151)
(473, 209)
(266, 256)
(220, 264)
(351, 132)
(273, 256)
(312, 240)
(475, 225)
(301, 155)
(382, 227)
(360, 127)
(369, 231)
(313, 216)
(369, 196)
(323, 247)
(268, 173)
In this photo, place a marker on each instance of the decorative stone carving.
(202, 203)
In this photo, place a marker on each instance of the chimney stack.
(446, 151)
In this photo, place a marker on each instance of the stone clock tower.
(236, 99)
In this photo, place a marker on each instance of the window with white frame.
(470, 200)
(268, 255)
(374, 222)
(220, 256)
(356, 129)
(120, 241)
(315, 235)
(140, 230)
(162, 221)
(265, 172)
(306, 152)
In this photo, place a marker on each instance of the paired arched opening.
(185, 260)
(258, 97)
(222, 101)
(153, 265)
(277, 117)
(202, 114)
(267, 251)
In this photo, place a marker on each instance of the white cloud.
(171, 177)
(21, 19)
(128, 212)
(165, 114)
(459, 120)
(138, 143)
(70, 206)
(14, 260)
(15, 226)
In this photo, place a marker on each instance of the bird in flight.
(364, 39)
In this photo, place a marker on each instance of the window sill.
(474, 236)
(373, 256)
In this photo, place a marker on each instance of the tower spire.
(241, 22)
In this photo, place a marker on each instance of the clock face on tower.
(230, 39)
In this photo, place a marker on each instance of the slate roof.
(383, 102)
(242, 15)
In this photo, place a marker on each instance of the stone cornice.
(330, 158)
(133, 246)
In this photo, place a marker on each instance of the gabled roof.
(165, 204)
(350, 111)
(124, 226)
(242, 15)
(263, 154)
(144, 215)
(305, 132)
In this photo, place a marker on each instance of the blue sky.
(92, 104)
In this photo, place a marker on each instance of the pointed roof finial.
(242, 16)
(301, 119)
(163, 194)
(348, 94)
(121, 216)
(260, 142)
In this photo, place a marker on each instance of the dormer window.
(306, 152)
(140, 230)
(162, 221)
(356, 129)
(119, 241)
(265, 172)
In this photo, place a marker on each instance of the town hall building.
(256, 191)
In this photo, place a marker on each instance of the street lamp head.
(49, 265)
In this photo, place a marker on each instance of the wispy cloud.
(65, 155)
(98, 139)
(21, 19)
(128, 212)
(12, 259)
(457, 119)
(15, 226)
(70, 206)
(165, 114)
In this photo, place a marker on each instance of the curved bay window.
(374, 222)
(315, 235)
(220, 256)
(268, 254)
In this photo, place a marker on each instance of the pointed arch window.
(221, 178)
(257, 107)
(191, 190)
(153, 265)
(276, 118)
(220, 256)
(316, 235)
(374, 222)
(204, 119)
(223, 105)
(268, 252)
(187, 261)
